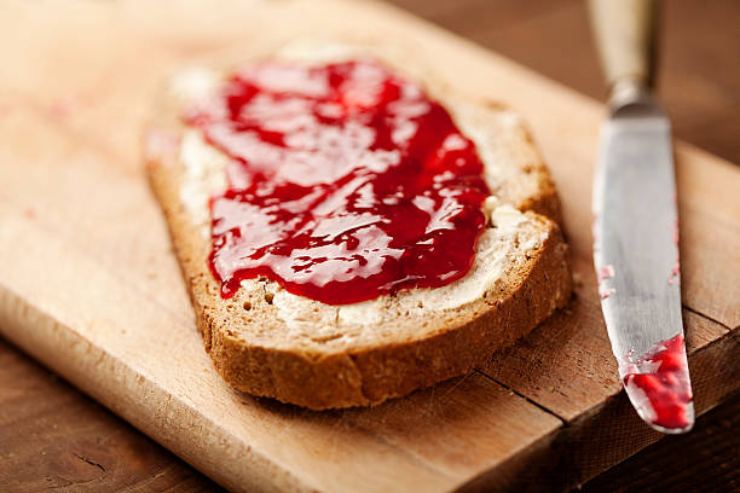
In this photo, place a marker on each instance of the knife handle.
(625, 36)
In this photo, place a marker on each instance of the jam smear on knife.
(666, 385)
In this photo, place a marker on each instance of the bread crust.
(369, 373)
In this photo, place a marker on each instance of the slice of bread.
(268, 342)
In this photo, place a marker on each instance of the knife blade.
(636, 253)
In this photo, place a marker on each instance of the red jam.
(666, 385)
(346, 183)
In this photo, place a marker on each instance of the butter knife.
(636, 222)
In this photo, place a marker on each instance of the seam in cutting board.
(528, 399)
(707, 317)
(567, 422)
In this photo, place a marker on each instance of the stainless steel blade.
(637, 259)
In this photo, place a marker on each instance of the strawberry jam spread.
(665, 384)
(346, 182)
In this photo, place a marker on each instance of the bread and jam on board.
(350, 229)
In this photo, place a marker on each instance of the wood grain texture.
(79, 210)
(56, 439)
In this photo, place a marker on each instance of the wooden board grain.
(81, 446)
(90, 287)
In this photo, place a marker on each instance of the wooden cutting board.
(89, 285)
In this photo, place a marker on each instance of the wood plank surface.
(74, 183)
(80, 446)
(706, 460)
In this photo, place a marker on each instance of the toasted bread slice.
(269, 342)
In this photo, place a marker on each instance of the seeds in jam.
(346, 182)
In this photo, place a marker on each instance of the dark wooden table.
(54, 437)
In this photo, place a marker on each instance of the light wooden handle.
(625, 34)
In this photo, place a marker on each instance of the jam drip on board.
(663, 378)
(346, 182)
